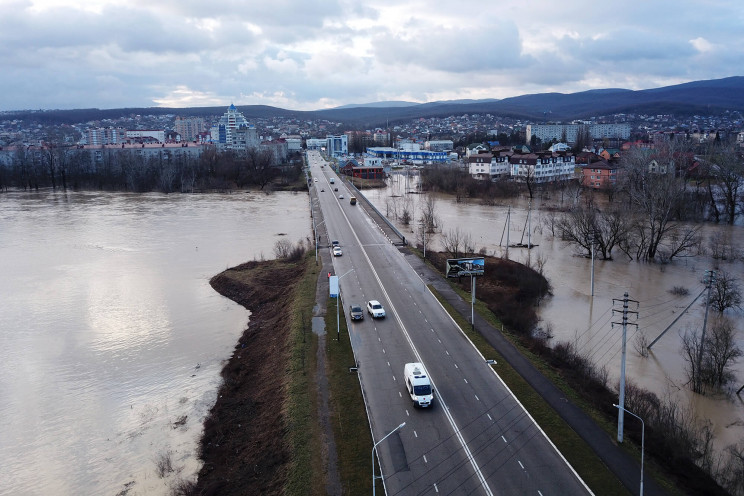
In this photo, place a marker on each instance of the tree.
(726, 292)
(584, 226)
(719, 352)
(725, 169)
(429, 214)
(656, 196)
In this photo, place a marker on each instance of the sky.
(315, 54)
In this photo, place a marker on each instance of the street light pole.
(643, 439)
(338, 318)
(374, 477)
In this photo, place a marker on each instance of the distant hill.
(708, 97)
(388, 104)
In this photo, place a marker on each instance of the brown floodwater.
(572, 314)
(111, 338)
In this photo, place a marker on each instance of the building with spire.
(233, 132)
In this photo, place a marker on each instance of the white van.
(418, 384)
(333, 181)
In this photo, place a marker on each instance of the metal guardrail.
(359, 194)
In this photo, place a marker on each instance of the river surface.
(573, 315)
(111, 339)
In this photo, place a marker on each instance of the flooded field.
(573, 314)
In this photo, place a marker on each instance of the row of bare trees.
(127, 170)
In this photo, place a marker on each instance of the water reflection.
(111, 339)
(572, 314)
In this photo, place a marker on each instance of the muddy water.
(111, 339)
(573, 315)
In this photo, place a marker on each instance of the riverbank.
(250, 442)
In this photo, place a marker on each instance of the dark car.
(335, 189)
(356, 312)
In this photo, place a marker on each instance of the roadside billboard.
(457, 267)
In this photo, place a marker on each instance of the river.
(573, 315)
(111, 339)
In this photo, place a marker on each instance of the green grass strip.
(304, 436)
(349, 417)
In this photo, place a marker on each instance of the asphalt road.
(476, 438)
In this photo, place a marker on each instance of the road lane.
(483, 442)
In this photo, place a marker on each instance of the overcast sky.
(312, 54)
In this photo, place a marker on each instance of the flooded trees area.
(663, 266)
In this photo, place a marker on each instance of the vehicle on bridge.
(352, 200)
(418, 384)
(356, 312)
(375, 309)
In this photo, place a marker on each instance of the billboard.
(457, 267)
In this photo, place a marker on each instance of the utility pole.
(624, 323)
(709, 280)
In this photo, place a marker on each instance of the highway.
(476, 438)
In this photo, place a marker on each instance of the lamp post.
(317, 238)
(643, 438)
(338, 296)
(374, 477)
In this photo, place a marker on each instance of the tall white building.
(233, 132)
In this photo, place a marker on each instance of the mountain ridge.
(705, 97)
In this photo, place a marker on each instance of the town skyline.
(59, 54)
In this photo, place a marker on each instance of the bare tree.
(453, 242)
(726, 292)
(725, 169)
(584, 226)
(721, 351)
(656, 194)
(429, 214)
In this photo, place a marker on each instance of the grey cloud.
(489, 47)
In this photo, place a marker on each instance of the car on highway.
(340, 197)
(335, 189)
(335, 243)
(375, 309)
(322, 190)
(356, 312)
(337, 251)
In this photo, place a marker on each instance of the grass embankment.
(262, 435)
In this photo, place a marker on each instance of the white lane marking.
(388, 364)
(400, 394)
(446, 352)
(383, 350)
(489, 416)
(437, 489)
(394, 378)
(450, 419)
(407, 414)
(502, 437)
(520, 464)
(425, 461)
(538, 492)
(466, 381)
(476, 397)
(414, 434)
(456, 366)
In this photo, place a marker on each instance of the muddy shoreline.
(243, 446)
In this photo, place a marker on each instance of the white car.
(375, 309)
(337, 251)
(340, 197)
